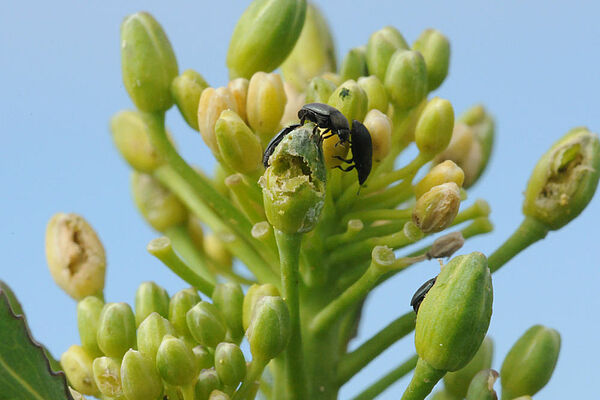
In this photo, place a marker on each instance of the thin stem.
(335, 241)
(253, 210)
(388, 379)
(423, 381)
(389, 198)
(184, 245)
(251, 381)
(374, 215)
(400, 174)
(289, 252)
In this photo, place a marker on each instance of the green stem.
(388, 379)
(529, 232)
(374, 215)
(335, 241)
(389, 198)
(251, 381)
(289, 252)
(423, 381)
(355, 361)
(184, 245)
(253, 210)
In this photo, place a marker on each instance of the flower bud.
(455, 315)
(380, 128)
(482, 386)
(314, 52)
(446, 245)
(354, 64)
(194, 227)
(230, 364)
(564, 179)
(116, 330)
(107, 375)
(130, 134)
(159, 207)
(333, 150)
(204, 357)
(75, 256)
(229, 298)
(377, 97)
(175, 362)
(265, 104)
(295, 101)
(180, 304)
(88, 318)
(435, 48)
(148, 63)
(351, 100)
(264, 36)
(406, 79)
(458, 382)
(294, 184)
(150, 334)
(436, 209)
(208, 380)
(319, 89)
(239, 90)
(240, 147)
(380, 48)
(140, 378)
(434, 128)
(150, 298)
(442, 395)
(206, 324)
(529, 364)
(215, 248)
(186, 90)
(444, 172)
(253, 296)
(270, 329)
(212, 103)
(77, 365)
(218, 395)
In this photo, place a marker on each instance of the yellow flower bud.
(332, 149)
(265, 104)
(215, 249)
(212, 103)
(444, 172)
(295, 101)
(239, 90)
(77, 364)
(380, 128)
(466, 151)
(436, 209)
(240, 148)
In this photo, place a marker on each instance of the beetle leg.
(349, 160)
(350, 168)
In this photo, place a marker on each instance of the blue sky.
(534, 65)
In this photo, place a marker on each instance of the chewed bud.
(354, 64)
(139, 377)
(457, 382)
(319, 89)
(294, 184)
(212, 103)
(434, 128)
(208, 381)
(445, 246)
(186, 90)
(444, 172)
(239, 90)
(377, 97)
(379, 126)
(265, 104)
(253, 296)
(130, 134)
(230, 364)
(564, 180)
(482, 386)
(206, 324)
(159, 207)
(180, 304)
(351, 100)
(116, 330)
(75, 256)
(436, 209)
(229, 298)
(107, 375)
(175, 362)
(406, 79)
(240, 147)
(150, 298)
(77, 365)
(435, 48)
(270, 329)
(147, 62)
(380, 48)
(150, 334)
(88, 318)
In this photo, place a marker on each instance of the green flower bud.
(218, 395)
(77, 365)
(351, 100)
(239, 90)
(458, 382)
(176, 362)
(88, 318)
(265, 104)
(150, 298)
(240, 147)
(253, 296)
(186, 90)
(208, 380)
(116, 330)
(159, 207)
(230, 364)
(212, 103)
(148, 63)
(229, 298)
(314, 52)
(444, 172)
(294, 184)
(564, 180)
(377, 97)
(406, 79)
(354, 64)
(140, 378)
(435, 48)
(482, 386)
(180, 304)
(529, 364)
(483, 127)
(215, 248)
(434, 128)
(107, 375)
(455, 314)
(264, 36)
(204, 357)
(436, 209)
(75, 256)
(206, 324)
(442, 395)
(380, 128)
(380, 48)
(130, 134)
(319, 89)
(270, 329)
(150, 334)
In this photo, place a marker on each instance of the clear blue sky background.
(534, 64)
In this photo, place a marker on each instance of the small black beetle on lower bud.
(420, 294)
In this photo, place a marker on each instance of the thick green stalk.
(185, 247)
(251, 381)
(388, 379)
(423, 381)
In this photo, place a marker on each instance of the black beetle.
(326, 117)
(275, 141)
(420, 294)
(362, 152)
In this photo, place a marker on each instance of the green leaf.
(24, 369)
